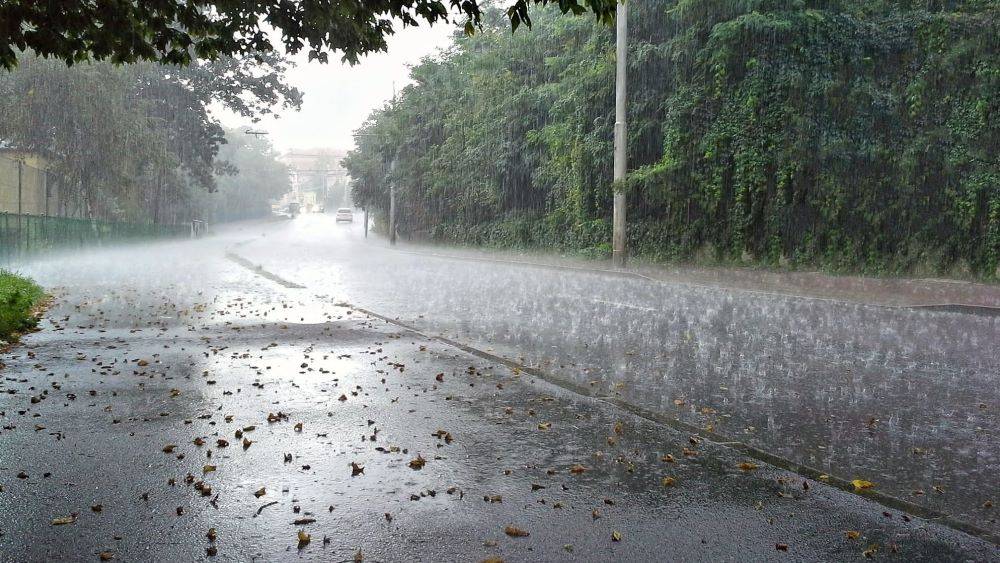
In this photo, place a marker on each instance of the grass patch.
(18, 298)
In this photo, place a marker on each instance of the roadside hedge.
(18, 298)
(853, 135)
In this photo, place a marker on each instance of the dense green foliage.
(847, 134)
(135, 143)
(18, 297)
(181, 31)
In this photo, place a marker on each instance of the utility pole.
(392, 202)
(392, 177)
(621, 53)
(20, 174)
(20, 216)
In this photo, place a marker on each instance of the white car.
(345, 214)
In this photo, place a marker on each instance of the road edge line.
(260, 271)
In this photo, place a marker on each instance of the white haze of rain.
(338, 96)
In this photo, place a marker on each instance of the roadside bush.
(18, 297)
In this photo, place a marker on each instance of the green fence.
(22, 236)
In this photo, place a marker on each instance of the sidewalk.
(890, 291)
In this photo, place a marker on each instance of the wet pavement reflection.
(177, 405)
(908, 399)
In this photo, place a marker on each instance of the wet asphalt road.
(113, 413)
(908, 399)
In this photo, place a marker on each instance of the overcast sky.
(338, 97)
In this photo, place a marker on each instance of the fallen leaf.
(668, 481)
(748, 466)
(616, 535)
(515, 532)
(260, 492)
(418, 462)
(304, 521)
(861, 484)
(304, 539)
(64, 520)
(852, 534)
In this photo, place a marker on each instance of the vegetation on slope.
(852, 135)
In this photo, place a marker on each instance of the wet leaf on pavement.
(418, 462)
(515, 532)
(64, 520)
(861, 484)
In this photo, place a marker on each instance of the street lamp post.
(392, 202)
(621, 52)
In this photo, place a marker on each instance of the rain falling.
(673, 280)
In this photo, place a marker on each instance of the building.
(25, 186)
(318, 178)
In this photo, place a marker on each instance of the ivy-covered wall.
(845, 134)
